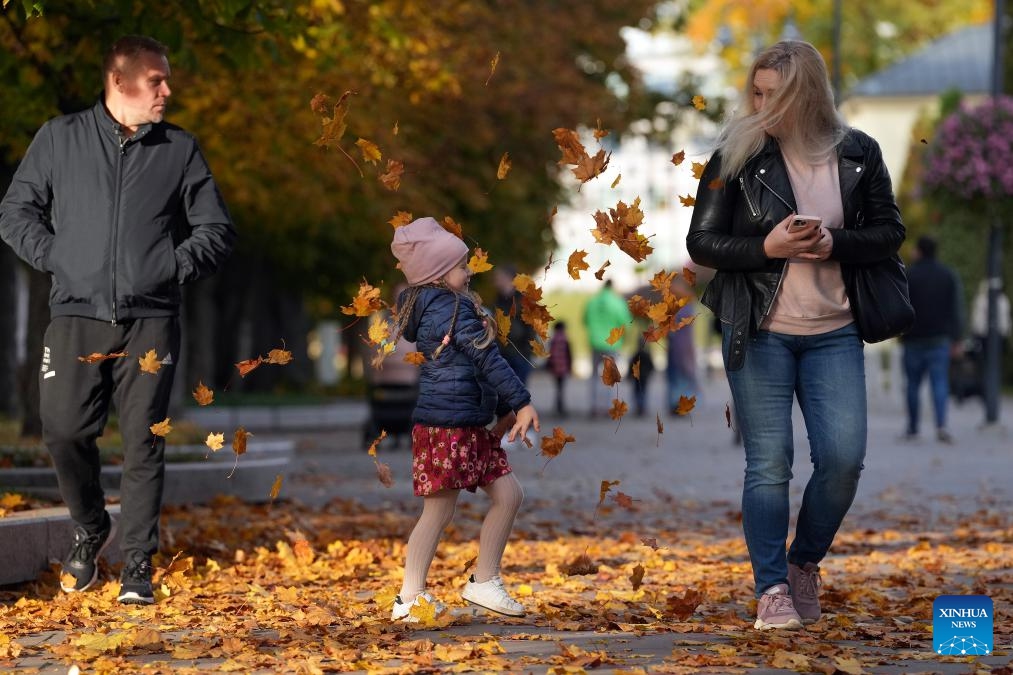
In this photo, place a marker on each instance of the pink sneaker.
(774, 610)
(805, 590)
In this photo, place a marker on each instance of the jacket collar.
(108, 124)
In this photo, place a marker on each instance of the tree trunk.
(38, 319)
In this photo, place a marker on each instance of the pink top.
(811, 299)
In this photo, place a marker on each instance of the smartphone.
(803, 222)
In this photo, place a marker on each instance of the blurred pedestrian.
(641, 369)
(935, 336)
(781, 292)
(464, 384)
(517, 351)
(681, 377)
(560, 363)
(120, 208)
(604, 312)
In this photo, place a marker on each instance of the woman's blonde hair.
(803, 105)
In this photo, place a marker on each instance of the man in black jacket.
(936, 298)
(120, 209)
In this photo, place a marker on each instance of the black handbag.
(880, 301)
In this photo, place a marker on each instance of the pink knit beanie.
(426, 250)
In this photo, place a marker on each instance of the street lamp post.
(993, 345)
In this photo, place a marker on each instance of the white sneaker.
(402, 610)
(492, 596)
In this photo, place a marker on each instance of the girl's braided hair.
(406, 305)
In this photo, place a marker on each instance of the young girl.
(464, 383)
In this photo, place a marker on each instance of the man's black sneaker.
(80, 568)
(135, 581)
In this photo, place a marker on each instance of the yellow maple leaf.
(635, 369)
(370, 151)
(366, 302)
(523, 282)
(376, 442)
(150, 363)
(577, 263)
(379, 329)
(400, 219)
(278, 357)
(479, 262)
(698, 168)
(215, 441)
(203, 395)
(504, 166)
(453, 227)
(161, 428)
(685, 405)
(502, 326)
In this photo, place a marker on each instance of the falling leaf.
(318, 104)
(383, 473)
(601, 270)
(679, 157)
(400, 219)
(278, 357)
(96, 357)
(728, 415)
(586, 167)
(589, 167)
(276, 488)
(615, 335)
(623, 500)
(685, 405)
(610, 371)
(502, 326)
(365, 302)
(689, 275)
(391, 178)
(376, 442)
(553, 445)
(619, 409)
(606, 485)
(688, 200)
(379, 329)
(699, 102)
(619, 177)
(395, 130)
(370, 152)
(453, 227)
(599, 133)
(334, 126)
(249, 365)
(203, 395)
(698, 168)
(661, 425)
(161, 428)
(492, 68)
(637, 577)
(619, 226)
(650, 541)
(479, 262)
(504, 166)
(576, 263)
(635, 369)
(581, 565)
(215, 441)
(239, 441)
(150, 363)
(414, 358)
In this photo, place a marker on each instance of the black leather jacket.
(731, 221)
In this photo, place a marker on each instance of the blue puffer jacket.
(464, 386)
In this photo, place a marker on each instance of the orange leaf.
(239, 440)
(453, 227)
(249, 365)
(150, 362)
(618, 409)
(598, 132)
(366, 302)
(278, 357)
(601, 271)
(689, 275)
(616, 334)
(391, 178)
(383, 473)
(699, 102)
(635, 369)
(589, 167)
(334, 126)
(161, 428)
(96, 357)
(610, 372)
(492, 68)
(400, 219)
(203, 395)
(379, 330)
(570, 145)
(376, 442)
(685, 405)
(502, 326)
(414, 358)
(370, 151)
(679, 157)
(553, 445)
(650, 541)
(479, 262)
(688, 200)
(215, 441)
(606, 485)
(623, 500)
(637, 577)
(504, 166)
(576, 263)
(698, 168)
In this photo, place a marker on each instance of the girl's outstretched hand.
(526, 417)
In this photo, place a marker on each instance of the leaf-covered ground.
(286, 588)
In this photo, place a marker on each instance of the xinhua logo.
(962, 625)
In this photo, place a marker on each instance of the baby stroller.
(391, 392)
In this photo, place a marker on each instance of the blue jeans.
(932, 357)
(827, 374)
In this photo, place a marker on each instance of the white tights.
(506, 496)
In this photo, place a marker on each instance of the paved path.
(694, 461)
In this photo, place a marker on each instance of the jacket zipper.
(784, 267)
(116, 218)
(749, 202)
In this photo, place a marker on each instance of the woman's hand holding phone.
(793, 236)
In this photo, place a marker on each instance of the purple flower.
(971, 154)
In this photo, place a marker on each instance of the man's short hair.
(927, 246)
(126, 52)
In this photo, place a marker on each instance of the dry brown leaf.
(679, 157)
(150, 363)
(685, 405)
(384, 474)
(391, 178)
(504, 166)
(95, 357)
(637, 577)
(576, 263)
(610, 371)
(203, 395)
(370, 152)
(619, 409)
(581, 565)
(249, 365)
(239, 440)
(553, 445)
(161, 428)
(278, 357)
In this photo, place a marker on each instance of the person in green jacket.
(605, 311)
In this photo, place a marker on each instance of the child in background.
(560, 363)
(643, 357)
(464, 383)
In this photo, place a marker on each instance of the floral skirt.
(445, 458)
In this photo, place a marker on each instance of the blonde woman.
(791, 201)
